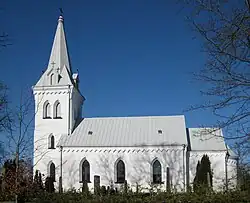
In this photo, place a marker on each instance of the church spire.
(59, 53)
(58, 71)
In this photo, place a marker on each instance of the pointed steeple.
(59, 56)
(58, 71)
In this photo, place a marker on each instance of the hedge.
(71, 197)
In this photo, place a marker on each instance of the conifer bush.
(203, 180)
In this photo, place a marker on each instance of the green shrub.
(78, 197)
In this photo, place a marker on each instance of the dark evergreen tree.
(36, 177)
(49, 185)
(204, 176)
(40, 182)
(37, 183)
(196, 184)
(244, 178)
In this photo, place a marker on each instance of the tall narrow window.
(120, 172)
(57, 110)
(157, 172)
(52, 79)
(85, 171)
(52, 171)
(51, 141)
(46, 110)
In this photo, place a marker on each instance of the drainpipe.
(60, 180)
(237, 171)
(226, 173)
(69, 114)
(183, 167)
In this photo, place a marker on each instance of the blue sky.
(134, 57)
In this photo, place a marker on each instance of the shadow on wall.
(139, 170)
(138, 167)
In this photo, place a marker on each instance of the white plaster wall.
(217, 160)
(44, 127)
(137, 165)
(232, 173)
(76, 107)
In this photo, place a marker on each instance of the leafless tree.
(19, 132)
(4, 37)
(4, 116)
(4, 40)
(224, 28)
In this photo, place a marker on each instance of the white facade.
(65, 140)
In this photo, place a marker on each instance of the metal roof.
(206, 139)
(59, 61)
(127, 131)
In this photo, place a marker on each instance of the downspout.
(60, 180)
(69, 113)
(226, 172)
(183, 167)
(237, 173)
(187, 170)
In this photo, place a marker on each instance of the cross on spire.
(53, 63)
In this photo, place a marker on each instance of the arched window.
(51, 142)
(84, 171)
(120, 172)
(52, 171)
(57, 110)
(52, 79)
(46, 110)
(157, 172)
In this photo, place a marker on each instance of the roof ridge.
(122, 117)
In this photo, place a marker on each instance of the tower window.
(57, 110)
(59, 78)
(46, 110)
(52, 79)
(51, 142)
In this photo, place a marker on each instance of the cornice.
(128, 151)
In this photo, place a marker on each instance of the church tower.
(58, 105)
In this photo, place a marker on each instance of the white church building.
(146, 151)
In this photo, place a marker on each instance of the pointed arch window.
(157, 176)
(46, 110)
(57, 110)
(52, 171)
(51, 141)
(52, 79)
(120, 172)
(84, 171)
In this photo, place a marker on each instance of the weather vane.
(61, 11)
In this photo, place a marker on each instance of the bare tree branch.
(224, 29)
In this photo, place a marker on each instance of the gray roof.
(206, 139)
(232, 154)
(127, 131)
